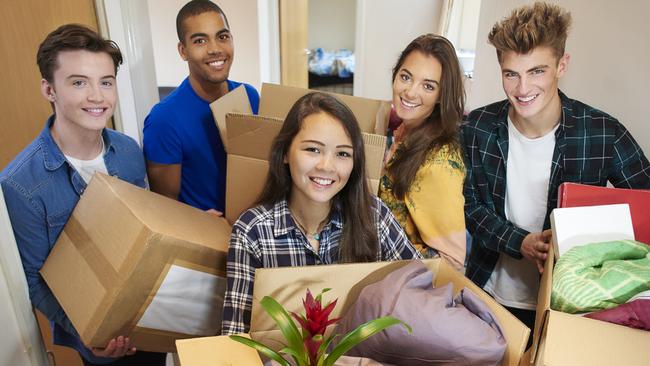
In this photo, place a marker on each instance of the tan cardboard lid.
(250, 135)
(372, 114)
(216, 351)
(236, 101)
(287, 285)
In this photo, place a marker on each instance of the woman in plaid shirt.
(316, 207)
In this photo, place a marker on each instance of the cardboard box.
(133, 262)
(574, 195)
(288, 286)
(567, 339)
(248, 138)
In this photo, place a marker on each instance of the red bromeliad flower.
(305, 348)
(315, 321)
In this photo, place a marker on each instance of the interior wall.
(609, 48)
(243, 19)
(384, 28)
(332, 24)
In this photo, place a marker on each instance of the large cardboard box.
(133, 262)
(288, 285)
(248, 138)
(567, 339)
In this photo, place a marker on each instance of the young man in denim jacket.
(521, 149)
(43, 183)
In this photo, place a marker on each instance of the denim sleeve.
(30, 229)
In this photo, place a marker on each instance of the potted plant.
(308, 346)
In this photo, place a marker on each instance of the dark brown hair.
(359, 242)
(441, 127)
(532, 26)
(72, 37)
(194, 8)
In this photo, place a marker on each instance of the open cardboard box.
(288, 285)
(133, 262)
(248, 138)
(568, 339)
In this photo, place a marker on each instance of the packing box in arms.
(135, 263)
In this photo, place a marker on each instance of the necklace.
(315, 235)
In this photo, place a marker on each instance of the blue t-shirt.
(181, 130)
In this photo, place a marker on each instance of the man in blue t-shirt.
(185, 156)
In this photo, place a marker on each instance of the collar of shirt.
(283, 222)
(53, 157)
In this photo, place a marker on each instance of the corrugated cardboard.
(216, 351)
(117, 249)
(288, 285)
(566, 339)
(248, 138)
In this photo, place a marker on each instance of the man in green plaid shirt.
(521, 149)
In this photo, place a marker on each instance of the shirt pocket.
(55, 224)
(591, 177)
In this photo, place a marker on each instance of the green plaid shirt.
(591, 147)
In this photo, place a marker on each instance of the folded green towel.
(600, 276)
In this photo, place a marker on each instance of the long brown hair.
(359, 242)
(441, 127)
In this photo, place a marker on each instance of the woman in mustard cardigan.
(424, 171)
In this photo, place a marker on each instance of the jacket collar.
(53, 157)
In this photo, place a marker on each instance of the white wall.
(610, 54)
(332, 24)
(21, 343)
(384, 28)
(243, 19)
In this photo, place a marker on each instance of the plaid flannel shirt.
(591, 147)
(267, 236)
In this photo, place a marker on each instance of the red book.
(574, 195)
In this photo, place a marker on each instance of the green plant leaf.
(323, 348)
(259, 347)
(287, 327)
(360, 334)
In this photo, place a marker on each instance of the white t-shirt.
(515, 282)
(86, 168)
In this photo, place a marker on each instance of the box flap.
(374, 148)
(575, 226)
(372, 114)
(236, 101)
(287, 285)
(543, 303)
(577, 341)
(251, 136)
(216, 351)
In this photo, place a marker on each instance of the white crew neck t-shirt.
(86, 168)
(515, 282)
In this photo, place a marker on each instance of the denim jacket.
(41, 189)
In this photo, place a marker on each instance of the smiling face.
(320, 160)
(531, 83)
(83, 90)
(207, 48)
(416, 88)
